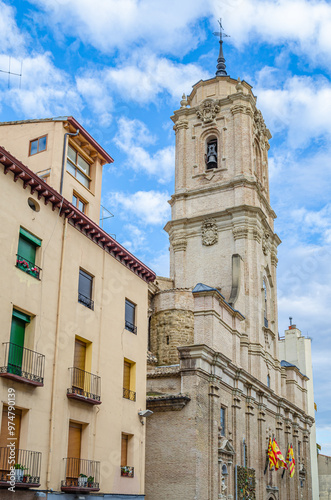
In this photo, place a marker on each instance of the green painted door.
(26, 249)
(15, 354)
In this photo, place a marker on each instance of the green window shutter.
(28, 236)
(26, 249)
(22, 316)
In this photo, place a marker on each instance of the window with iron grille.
(85, 285)
(130, 316)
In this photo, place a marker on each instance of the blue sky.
(120, 68)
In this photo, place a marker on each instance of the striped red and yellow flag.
(281, 463)
(290, 460)
(271, 455)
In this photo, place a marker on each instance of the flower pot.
(19, 473)
(82, 482)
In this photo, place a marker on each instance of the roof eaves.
(76, 218)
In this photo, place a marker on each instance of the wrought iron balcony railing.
(129, 326)
(84, 386)
(86, 301)
(26, 473)
(127, 394)
(127, 471)
(28, 267)
(23, 364)
(81, 475)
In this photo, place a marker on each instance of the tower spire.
(221, 61)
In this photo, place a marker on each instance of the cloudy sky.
(120, 68)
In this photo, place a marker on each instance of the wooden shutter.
(80, 354)
(74, 447)
(4, 435)
(124, 450)
(126, 376)
(26, 249)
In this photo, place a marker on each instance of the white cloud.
(45, 90)
(137, 239)
(302, 107)
(93, 92)
(131, 137)
(110, 24)
(160, 264)
(12, 42)
(149, 207)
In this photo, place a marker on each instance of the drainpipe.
(73, 134)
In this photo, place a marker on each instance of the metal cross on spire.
(221, 61)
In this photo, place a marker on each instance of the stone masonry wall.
(168, 330)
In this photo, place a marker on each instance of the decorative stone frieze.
(209, 232)
(181, 124)
(208, 110)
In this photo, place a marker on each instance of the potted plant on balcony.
(126, 471)
(90, 481)
(82, 480)
(26, 476)
(19, 472)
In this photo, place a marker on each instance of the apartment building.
(73, 308)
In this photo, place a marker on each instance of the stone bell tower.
(221, 231)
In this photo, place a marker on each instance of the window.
(85, 289)
(128, 381)
(130, 316)
(211, 156)
(78, 381)
(38, 145)
(222, 421)
(268, 380)
(78, 202)
(15, 436)
(126, 471)
(78, 167)
(45, 175)
(26, 253)
(265, 304)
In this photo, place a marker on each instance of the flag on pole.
(290, 460)
(271, 455)
(278, 454)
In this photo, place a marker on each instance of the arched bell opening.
(211, 153)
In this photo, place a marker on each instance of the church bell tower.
(221, 230)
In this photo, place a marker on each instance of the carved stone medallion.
(208, 110)
(209, 232)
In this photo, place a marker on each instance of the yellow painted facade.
(57, 318)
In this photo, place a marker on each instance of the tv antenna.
(9, 72)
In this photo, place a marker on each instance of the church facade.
(216, 383)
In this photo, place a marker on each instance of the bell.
(211, 161)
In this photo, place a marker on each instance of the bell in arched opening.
(211, 156)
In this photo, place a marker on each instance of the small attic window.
(38, 145)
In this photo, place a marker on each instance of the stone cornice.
(219, 186)
(214, 358)
(167, 402)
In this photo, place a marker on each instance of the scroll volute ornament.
(208, 110)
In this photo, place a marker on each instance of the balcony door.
(74, 449)
(79, 366)
(17, 333)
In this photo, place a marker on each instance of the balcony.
(81, 476)
(28, 267)
(129, 326)
(23, 365)
(127, 394)
(86, 301)
(127, 471)
(85, 386)
(26, 473)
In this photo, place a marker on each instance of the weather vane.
(221, 61)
